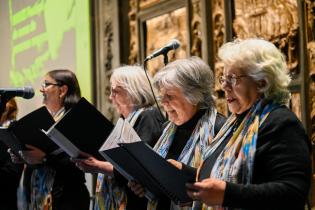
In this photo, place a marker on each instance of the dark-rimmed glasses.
(230, 79)
(47, 84)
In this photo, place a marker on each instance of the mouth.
(229, 99)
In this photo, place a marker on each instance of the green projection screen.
(41, 35)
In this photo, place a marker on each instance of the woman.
(52, 181)
(260, 159)
(10, 173)
(133, 100)
(185, 87)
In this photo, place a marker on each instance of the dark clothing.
(182, 135)
(149, 127)
(69, 189)
(10, 174)
(282, 167)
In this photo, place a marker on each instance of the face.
(177, 107)
(121, 100)
(52, 94)
(241, 94)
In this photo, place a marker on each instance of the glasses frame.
(231, 79)
(47, 84)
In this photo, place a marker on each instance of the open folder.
(82, 129)
(138, 161)
(27, 130)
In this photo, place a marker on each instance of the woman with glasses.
(132, 98)
(260, 159)
(52, 181)
(185, 88)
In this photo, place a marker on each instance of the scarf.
(235, 162)
(108, 195)
(194, 150)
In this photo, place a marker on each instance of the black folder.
(82, 129)
(27, 130)
(137, 161)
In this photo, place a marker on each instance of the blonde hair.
(262, 61)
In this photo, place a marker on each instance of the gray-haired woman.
(185, 88)
(260, 159)
(133, 100)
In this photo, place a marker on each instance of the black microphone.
(25, 92)
(172, 45)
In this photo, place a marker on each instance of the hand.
(32, 156)
(15, 158)
(136, 188)
(175, 163)
(209, 191)
(92, 165)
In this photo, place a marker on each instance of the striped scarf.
(108, 195)
(235, 163)
(195, 148)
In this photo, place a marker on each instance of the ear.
(262, 84)
(63, 91)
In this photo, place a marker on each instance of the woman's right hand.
(15, 158)
(136, 188)
(93, 165)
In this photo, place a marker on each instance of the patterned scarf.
(235, 163)
(108, 195)
(195, 148)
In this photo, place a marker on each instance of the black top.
(282, 167)
(69, 189)
(182, 135)
(148, 126)
(10, 174)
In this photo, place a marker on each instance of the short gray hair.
(192, 76)
(135, 82)
(262, 61)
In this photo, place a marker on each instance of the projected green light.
(59, 17)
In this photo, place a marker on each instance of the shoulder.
(282, 125)
(152, 114)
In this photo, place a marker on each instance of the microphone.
(172, 45)
(24, 92)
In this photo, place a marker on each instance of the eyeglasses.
(165, 97)
(231, 79)
(47, 84)
(116, 90)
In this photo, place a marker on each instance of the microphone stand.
(165, 60)
(146, 74)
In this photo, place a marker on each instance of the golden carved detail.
(274, 20)
(196, 29)
(160, 30)
(147, 3)
(218, 24)
(134, 49)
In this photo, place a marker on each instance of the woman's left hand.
(209, 191)
(175, 163)
(32, 156)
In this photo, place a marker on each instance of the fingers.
(136, 188)
(194, 195)
(175, 163)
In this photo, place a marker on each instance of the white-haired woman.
(260, 159)
(185, 88)
(133, 100)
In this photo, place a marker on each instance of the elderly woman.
(52, 181)
(185, 88)
(133, 99)
(260, 159)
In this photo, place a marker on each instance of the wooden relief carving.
(218, 24)
(148, 3)
(196, 29)
(160, 30)
(274, 20)
(133, 54)
(295, 104)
